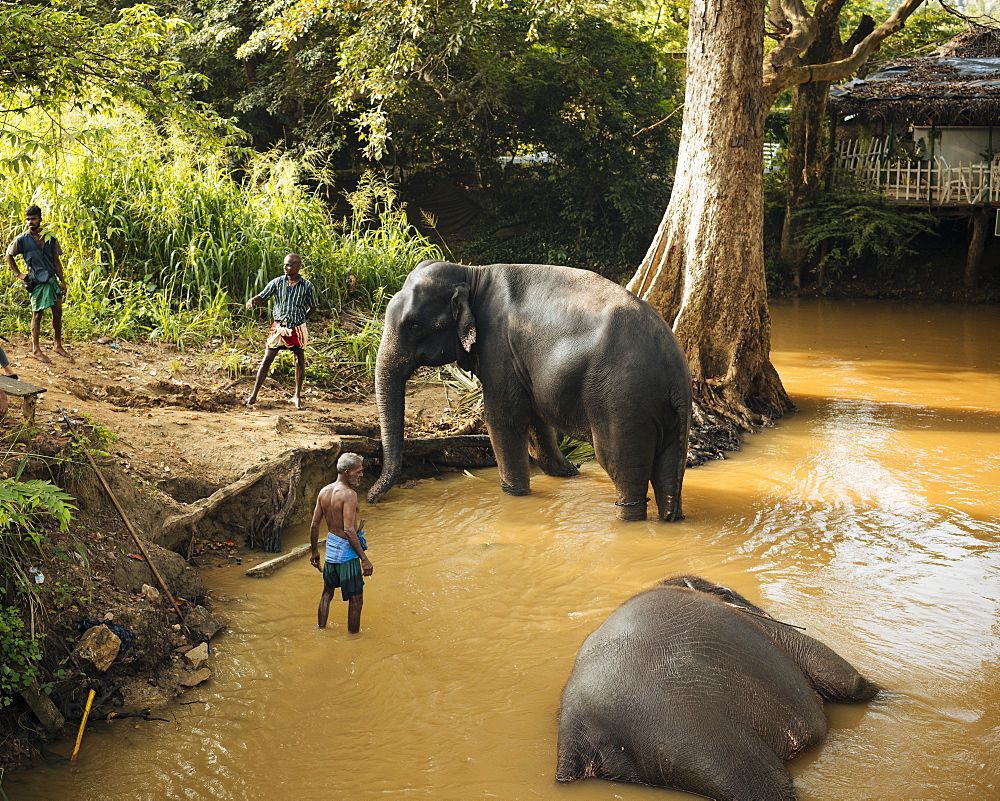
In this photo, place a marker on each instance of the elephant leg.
(508, 426)
(629, 464)
(744, 768)
(543, 447)
(585, 751)
(832, 676)
(667, 478)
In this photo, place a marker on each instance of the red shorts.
(281, 337)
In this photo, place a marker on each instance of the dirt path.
(179, 417)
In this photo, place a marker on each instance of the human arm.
(317, 517)
(3, 403)
(12, 251)
(57, 265)
(261, 298)
(351, 533)
(312, 301)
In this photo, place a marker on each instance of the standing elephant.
(690, 686)
(556, 350)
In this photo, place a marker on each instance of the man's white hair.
(347, 461)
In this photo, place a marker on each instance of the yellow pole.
(79, 734)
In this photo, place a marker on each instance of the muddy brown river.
(868, 517)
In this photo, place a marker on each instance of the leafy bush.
(846, 230)
(22, 507)
(19, 653)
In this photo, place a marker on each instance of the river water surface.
(868, 517)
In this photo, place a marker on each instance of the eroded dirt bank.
(201, 479)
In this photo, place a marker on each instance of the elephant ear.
(465, 323)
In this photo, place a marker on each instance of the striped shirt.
(291, 303)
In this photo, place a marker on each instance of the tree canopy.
(54, 59)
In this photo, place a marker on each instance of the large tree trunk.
(704, 271)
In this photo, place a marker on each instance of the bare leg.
(262, 371)
(36, 348)
(300, 374)
(324, 606)
(57, 330)
(354, 613)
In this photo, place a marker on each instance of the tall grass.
(167, 238)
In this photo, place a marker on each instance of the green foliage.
(24, 505)
(379, 247)
(575, 450)
(163, 239)
(54, 58)
(22, 502)
(847, 230)
(466, 386)
(19, 653)
(925, 29)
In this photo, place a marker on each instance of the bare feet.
(41, 357)
(250, 402)
(63, 352)
(298, 402)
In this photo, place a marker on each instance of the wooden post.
(977, 243)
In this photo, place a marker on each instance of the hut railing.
(912, 181)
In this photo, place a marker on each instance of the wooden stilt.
(977, 244)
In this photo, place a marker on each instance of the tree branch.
(780, 73)
(790, 16)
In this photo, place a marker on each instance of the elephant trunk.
(391, 374)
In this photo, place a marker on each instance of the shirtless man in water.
(345, 561)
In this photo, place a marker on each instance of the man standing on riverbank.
(345, 560)
(43, 278)
(294, 298)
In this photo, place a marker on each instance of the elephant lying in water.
(690, 686)
(557, 350)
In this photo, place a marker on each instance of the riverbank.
(167, 430)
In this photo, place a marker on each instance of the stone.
(200, 621)
(98, 648)
(151, 593)
(196, 677)
(197, 657)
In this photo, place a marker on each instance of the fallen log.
(415, 446)
(268, 567)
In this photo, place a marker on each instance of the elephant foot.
(561, 471)
(631, 510)
(671, 512)
(514, 490)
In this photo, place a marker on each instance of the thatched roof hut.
(957, 85)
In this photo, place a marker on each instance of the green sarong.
(45, 295)
(346, 575)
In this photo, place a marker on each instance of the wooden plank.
(20, 389)
(27, 392)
